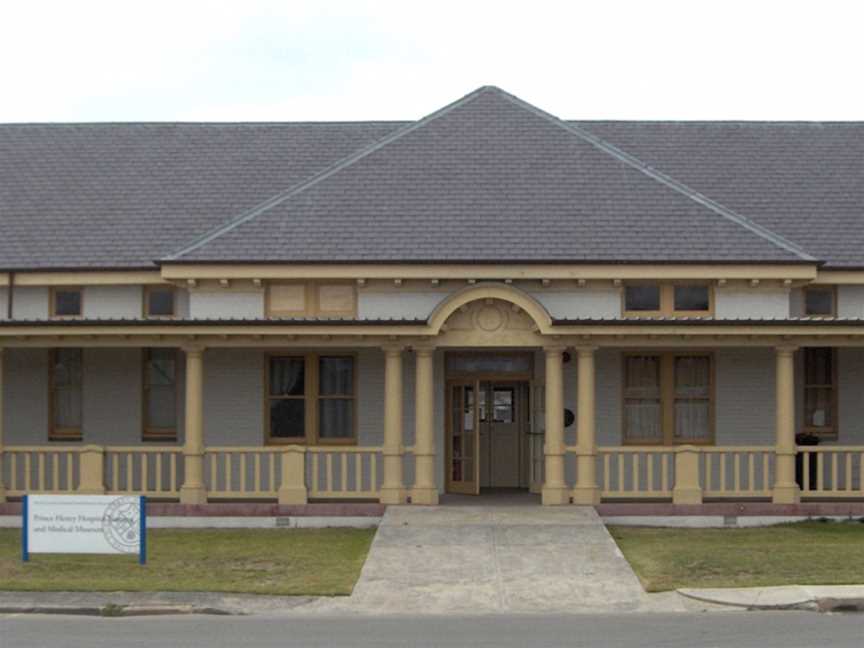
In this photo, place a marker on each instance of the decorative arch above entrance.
(490, 315)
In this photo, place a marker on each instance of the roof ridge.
(669, 181)
(334, 168)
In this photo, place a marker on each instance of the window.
(66, 302)
(311, 300)
(311, 398)
(65, 383)
(159, 301)
(642, 298)
(819, 300)
(668, 398)
(336, 397)
(160, 395)
(820, 391)
(668, 300)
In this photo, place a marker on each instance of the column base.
(786, 494)
(393, 496)
(193, 495)
(289, 496)
(586, 495)
(424, 496)
(687, 496)
(555, 496)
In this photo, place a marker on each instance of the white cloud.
(214, 60)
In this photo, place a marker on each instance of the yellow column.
(392, 489)
(785, 489)
(425, 489)
(92, 468)
(192, 491)
(292, 490)
(554, 489)
(2, 482)
(586, 490)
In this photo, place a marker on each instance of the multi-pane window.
(667, 300)
(667, 398)
(311, 398)
(159, 301)
(66, 302)
(160, 394)
(819, 300)
(66, 385)
(820, 391)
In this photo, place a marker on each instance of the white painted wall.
(113, 301)
(4, 303)
(850, 301)
(226, 303)
(30, 302)
(742, 301)
(401, 305)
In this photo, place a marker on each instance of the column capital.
(554, 349)
(193, 349)
(585, 349)
(424, 350)
(785, 350)
(392, 350)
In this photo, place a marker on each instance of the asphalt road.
(738, 629)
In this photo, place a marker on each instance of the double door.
(487, 440)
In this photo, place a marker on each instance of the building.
(390, 311)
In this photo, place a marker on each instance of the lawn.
(803, 553)
(260, 561)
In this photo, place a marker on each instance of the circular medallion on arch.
(490, 317)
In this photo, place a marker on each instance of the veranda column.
(392, 489)
(785, 489)
(586, 490)
(554, 489)
(2, 482)
(192, 491)
(425, 489)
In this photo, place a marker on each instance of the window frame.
(53, 301)
(821, 288)
(668, 398)
(312, 302)
(311, 397)
(153, 434)
(55, 433)
(149, 290)
(667, 300)
(831, 433)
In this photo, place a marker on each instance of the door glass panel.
(503, 399)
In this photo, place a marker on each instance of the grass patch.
(801, 553)
(324, 562)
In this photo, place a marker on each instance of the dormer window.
(159, 301)
(668, 300)
(66, 302)
(820, 301)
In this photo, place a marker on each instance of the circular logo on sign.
(121, 524)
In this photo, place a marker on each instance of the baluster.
(736, 466)
(805, 468)
(820, 471)
(157, 486)
(258, 487)
(343, 477)
(664, 472)
(724, 482)
(835, 457)
(172, 464)
(55, 471)
(272, 484)
(70, 458)
(649, 469)
(229, 472)
(328, 465)
(634, 468)
(243, 475)
(358, 473)
(214, 481)
(847, 459)
(373, 472)
(751, 471)
(316, 478)
(607, 458)
(28, 478)
(145, 474)
(766, 471)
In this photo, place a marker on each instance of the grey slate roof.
(489, 179)
(123, 195)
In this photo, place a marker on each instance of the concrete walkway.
(498, 559)
(825, 598)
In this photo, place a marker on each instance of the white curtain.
(692, 397)
(642, 399)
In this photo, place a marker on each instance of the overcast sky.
(248, 60)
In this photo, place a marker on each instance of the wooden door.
(503, 417)
(463, 438)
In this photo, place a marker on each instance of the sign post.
(91, 524)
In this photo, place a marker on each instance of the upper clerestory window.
(668, 300)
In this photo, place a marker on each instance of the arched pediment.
(490, 314)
